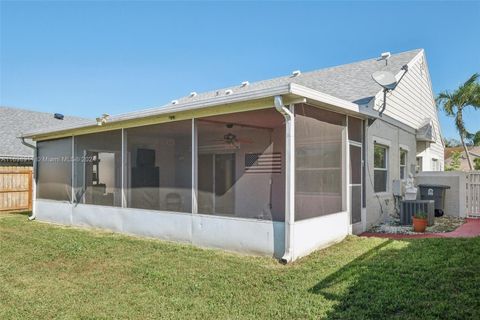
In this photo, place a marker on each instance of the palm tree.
(467, 95)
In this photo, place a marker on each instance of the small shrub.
(420, 215)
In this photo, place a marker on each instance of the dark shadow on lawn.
(410, 279)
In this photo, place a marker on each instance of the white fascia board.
(312, 94)
(386, 118)
(166, 109)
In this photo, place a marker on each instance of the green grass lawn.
(48, 271)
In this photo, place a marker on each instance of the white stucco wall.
(315, 233)
(250, 236)
(380, 206)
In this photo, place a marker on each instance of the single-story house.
(14, 122)
(279, 167)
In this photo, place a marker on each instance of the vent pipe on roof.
(174, 101)
(245, 83)
(193, 94)
(229, 91)
(296, 73)
(385, 56)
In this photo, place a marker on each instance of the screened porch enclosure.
(230, 165)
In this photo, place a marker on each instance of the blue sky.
(87, 58)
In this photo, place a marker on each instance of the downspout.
(289, 177)
(34, 180)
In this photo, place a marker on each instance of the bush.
(420, 215)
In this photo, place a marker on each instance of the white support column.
(34, 183)
(72, 160)
(194, 168)
(124, 168)
(290, 180)
(346, 179)
(289, 116)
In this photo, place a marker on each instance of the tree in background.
(467, 95)
(476, 139)
(477, 163)
(454, 165)
(451, 143)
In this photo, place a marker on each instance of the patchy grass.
(48, 271)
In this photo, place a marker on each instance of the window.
(380, 168)
(54, 169)
(159, 167)
(435, 165)
(419, 165)
(319, 141)
(403, 164)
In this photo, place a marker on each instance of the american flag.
(263, 162)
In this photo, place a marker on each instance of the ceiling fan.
(232, 140)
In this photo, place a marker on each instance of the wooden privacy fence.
(473, 194)
(16, 190)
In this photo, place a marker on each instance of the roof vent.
(58, 116)
(229, 91)
(385, 55)
(102, 119)
(245, 83)
(193, 94)
(174, 101)
(296, 73)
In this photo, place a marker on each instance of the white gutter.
(286, 89)
(289, 177)
(34, 180)
(170, 109)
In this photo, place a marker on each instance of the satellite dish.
(385, 79)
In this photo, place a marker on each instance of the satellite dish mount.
(388, 82)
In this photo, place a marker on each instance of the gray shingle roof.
(351, 82)
(14, 122)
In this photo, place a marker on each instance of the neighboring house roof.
(14, 122)
(350, 85)
(474, 153)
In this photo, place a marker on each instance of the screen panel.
(159, 167)
(318, 161)
(54, 169)
(241, 165)
(98, 168)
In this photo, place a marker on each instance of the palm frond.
(445, 100)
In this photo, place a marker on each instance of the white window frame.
(404, 166)
(386, 147)
(419, 164)
(435, 164)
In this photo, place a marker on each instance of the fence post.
(462, 194)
